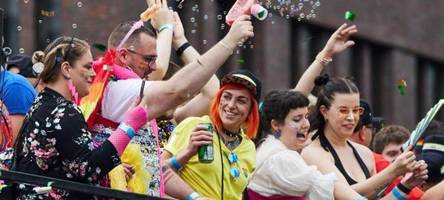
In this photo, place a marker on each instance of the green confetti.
(401, 90)
(350, 16)
(100, 47)
(402, 85)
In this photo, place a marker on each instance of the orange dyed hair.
(252, 121)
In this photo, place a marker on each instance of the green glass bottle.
(205, 152)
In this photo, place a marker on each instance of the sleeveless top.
(329, 148)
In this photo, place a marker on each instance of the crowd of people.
(132, 120)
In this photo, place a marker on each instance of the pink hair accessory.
(135, 26)
(73, 91)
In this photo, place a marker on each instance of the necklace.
(233, 144)
(231, 134)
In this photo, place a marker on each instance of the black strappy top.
(329, 148)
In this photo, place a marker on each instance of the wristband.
(127, 129)
(323, 61)
(403, 188)
(193, 196)
(226, 47)
(182, 48)
(397, 194)
(166, 26)
(175, 164)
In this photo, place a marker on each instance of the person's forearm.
(189, 55)
(16, 122)
(376, 183)
(163, 48)
(306, 83)
(190, 79)
(210, 89)
(343, 191)
(200, 104)
(434, 192)
(175, 186)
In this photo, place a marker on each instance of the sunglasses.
(355, 111)
(150, 59)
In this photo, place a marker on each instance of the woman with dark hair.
(54, 139)
(337, 114)
(235, 117)
(281, 173)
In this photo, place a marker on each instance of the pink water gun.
(246, 7)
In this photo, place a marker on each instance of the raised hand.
(179, 33)
(339, 41)
(240, 31)
(163, 15)
(417, 177)
(404, 163)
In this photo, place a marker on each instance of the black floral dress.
(55, 142)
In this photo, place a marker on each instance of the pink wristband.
(119, 139)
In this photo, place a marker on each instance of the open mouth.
(301, 136)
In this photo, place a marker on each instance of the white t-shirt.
(118, 97)
(281, 171)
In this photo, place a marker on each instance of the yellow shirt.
(205, 178)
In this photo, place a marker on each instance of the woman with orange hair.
(235, 117)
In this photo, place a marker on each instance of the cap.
(433, 154)
(23, 63)
(367, 116)
(245, 78)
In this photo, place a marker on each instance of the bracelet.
(226, 46)
(193, 196)
(403, 188)
(323, 61)
(361, 198)
(166, 26)
(127, 129)
(182, 48)
(176, 165)
(397, 194)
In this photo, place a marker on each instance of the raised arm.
(200, 104)
(337, 43)
(161, 20)
(161, 96)
(187, 52)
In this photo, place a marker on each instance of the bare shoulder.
(314, 154)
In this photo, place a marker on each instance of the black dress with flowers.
(55, 142)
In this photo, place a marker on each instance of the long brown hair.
(58, 49)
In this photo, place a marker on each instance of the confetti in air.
(350, 16)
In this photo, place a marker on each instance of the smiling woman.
(281, 172)
(54, 139)
(234, 114)
(335, 118)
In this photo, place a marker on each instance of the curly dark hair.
(276, 106)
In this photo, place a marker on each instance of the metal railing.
(21, 177)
